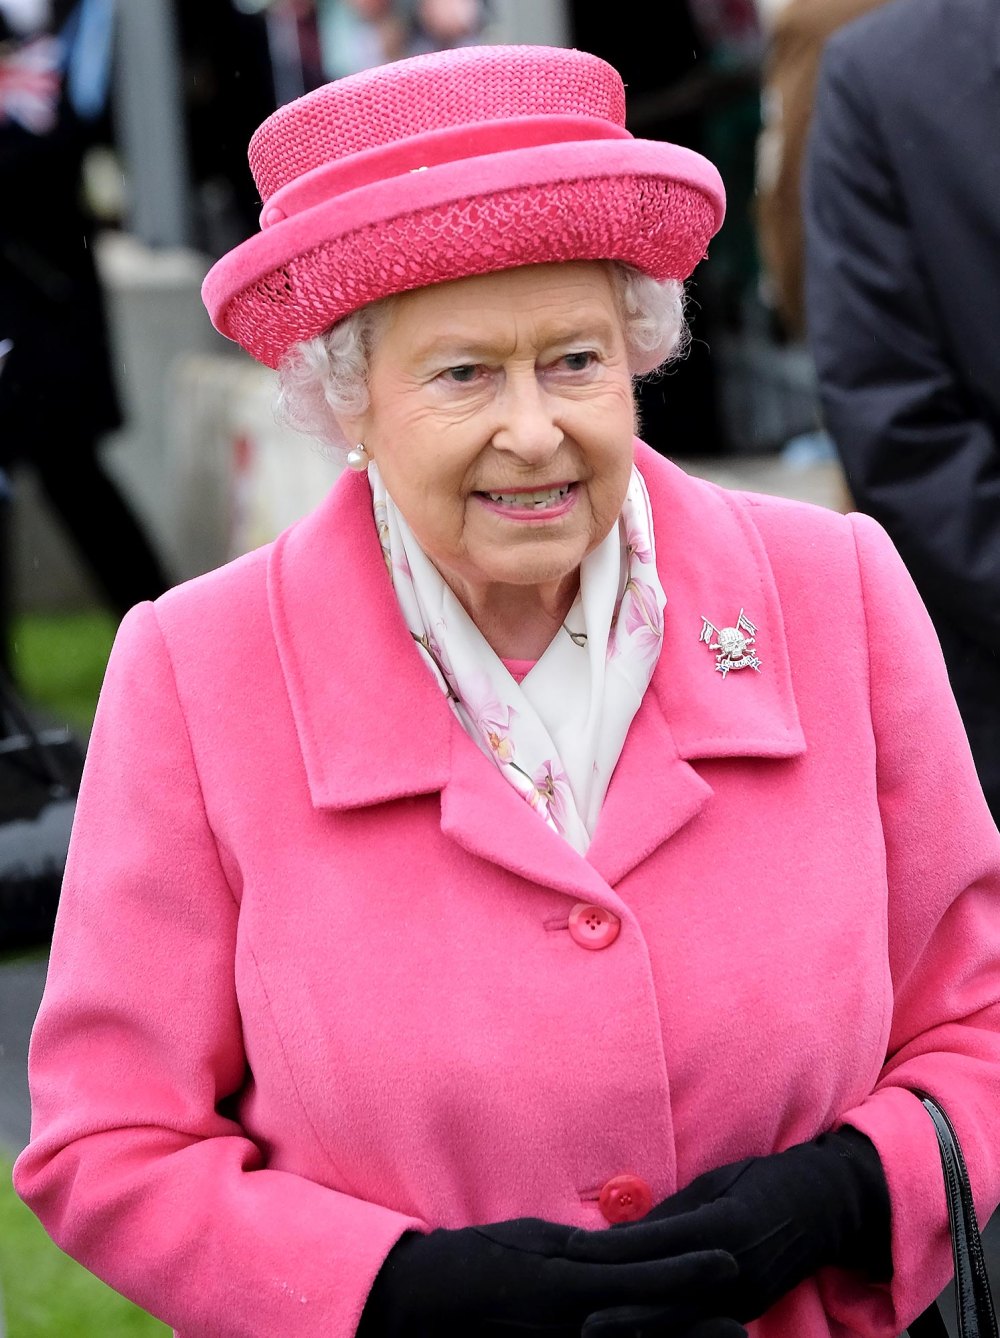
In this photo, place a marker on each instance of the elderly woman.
(533, 838)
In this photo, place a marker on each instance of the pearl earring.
(357, 458)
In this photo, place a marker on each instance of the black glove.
(654, 1322)
(717, 1328)
(782, 1218)
(514, 1277)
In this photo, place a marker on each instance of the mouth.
(537, 499)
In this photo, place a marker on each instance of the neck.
(519, 621)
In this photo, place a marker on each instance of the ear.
(353, 427)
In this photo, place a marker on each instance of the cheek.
(419, 462)
(612, 474)
(427, 483)
(609, 431)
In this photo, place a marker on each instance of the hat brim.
(650, 204)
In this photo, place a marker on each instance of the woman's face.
(501, 419)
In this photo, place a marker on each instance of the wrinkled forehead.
(491, 313)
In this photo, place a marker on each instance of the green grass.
(47, 1295)
(58, 660)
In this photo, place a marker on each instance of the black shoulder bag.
(974, 1303)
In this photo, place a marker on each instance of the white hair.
(324, 379)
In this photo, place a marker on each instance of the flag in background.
(36, 65)
(31, 76)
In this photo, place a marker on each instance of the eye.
(463, 375)
(579, 362)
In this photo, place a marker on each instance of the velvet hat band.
(431, 149)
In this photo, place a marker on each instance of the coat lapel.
(487, 817)
(371, 721)
(712, 563)
(654, 792)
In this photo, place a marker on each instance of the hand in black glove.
(782, 1218)
(654, 1322)
(717, 1328)
(514, 1277)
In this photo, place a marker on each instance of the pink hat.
(446, 165)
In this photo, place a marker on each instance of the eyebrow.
(459, 348)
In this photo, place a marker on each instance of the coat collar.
(712, 563)
(367, 712)
(371, 721)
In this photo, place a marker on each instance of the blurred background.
(177, 88)
(148, 452)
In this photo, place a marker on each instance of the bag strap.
(974, 1302)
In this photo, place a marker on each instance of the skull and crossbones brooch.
(734, 644)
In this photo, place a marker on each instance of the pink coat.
(312, 983)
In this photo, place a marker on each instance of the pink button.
(271, 215)
(625, 1198)
(593, 926)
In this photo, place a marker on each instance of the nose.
(528, 424)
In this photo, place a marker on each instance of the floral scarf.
(556, 737)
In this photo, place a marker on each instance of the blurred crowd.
(243, 58)
(705, 82)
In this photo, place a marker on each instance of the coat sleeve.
(133, 1166)
(942, 854)
(918, 453)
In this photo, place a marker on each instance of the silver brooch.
(734, 644)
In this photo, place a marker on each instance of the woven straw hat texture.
(606, 196)
(443, 88)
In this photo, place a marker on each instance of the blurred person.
(296, 48)
(436, 25)
(228, 89)
(903, 288)
(734, 43)
(796, 33)
(733, 27)
(58, 396)
(357, 34)
(240, 59)
(677, 91)
(533, 838)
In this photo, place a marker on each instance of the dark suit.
(902, 208)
